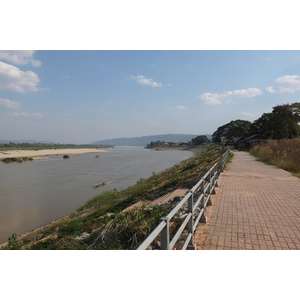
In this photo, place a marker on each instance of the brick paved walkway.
(257, 206)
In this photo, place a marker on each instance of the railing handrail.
(206, 185)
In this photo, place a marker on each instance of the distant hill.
(144, 140)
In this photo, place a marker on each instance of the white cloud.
(26, 114)
(13, 79)
(146, 81)
(181, 107)
(20, 57)
(210, 98)
(20, 114)
(9, 103)
(288, 83)
(270, 89)
(248, 93)
(285, 84)
(215, 98)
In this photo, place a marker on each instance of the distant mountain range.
(144, 140)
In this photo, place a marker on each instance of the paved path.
(257, 206)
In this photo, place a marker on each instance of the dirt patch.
(202, 230)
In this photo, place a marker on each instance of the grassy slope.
(101, 217)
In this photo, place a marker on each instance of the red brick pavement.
(257, 207)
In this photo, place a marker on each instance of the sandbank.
(46, 152)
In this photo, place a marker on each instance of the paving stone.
(257, 206)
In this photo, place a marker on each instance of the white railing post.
(202, 204)
(209, 203)
(214, 178)
(165, 235)
(191, 221)
(217, 172)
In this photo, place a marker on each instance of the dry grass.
(282, 153)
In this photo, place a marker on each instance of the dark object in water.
(98, 185)
(103, 184)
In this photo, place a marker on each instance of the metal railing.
(224, 159)
(195, 201)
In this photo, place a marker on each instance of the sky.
(89, 95)
(82, 96)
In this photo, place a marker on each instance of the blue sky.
(85, 96)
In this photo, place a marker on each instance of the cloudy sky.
(85, 96)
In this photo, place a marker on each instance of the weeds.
(13, 243)
(105, 199)
(282, 153)
(128, 229)
(71, 228)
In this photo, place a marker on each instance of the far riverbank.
(47, 152)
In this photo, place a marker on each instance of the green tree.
(281, 123)
(200, 140)
(295, 107)
(231, 131)
(155, 144)
(285, 122)
(263, 126)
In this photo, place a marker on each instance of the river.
(34, 193)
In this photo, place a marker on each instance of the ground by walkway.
(257, 207)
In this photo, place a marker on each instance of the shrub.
(13, 243)
(282, 153)
(16, 159)
(71, 228)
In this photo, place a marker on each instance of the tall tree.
(263, 126)
(285, 122)
(231, 131)
(281, 123)
(200, 140)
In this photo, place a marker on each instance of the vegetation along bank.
(283, 153)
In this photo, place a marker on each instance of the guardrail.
(196, 201)
(224, 159)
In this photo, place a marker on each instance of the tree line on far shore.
(199, 140)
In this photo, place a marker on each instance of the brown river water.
(34, 193)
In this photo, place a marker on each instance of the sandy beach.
(47, 152)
